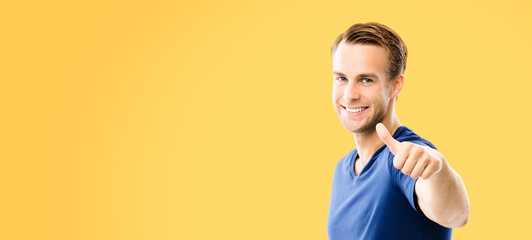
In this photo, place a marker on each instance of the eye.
(341, 79)
(367, 80)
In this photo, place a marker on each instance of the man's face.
(361, 86)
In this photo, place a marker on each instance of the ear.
(397, 86)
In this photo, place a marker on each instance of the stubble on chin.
(368, 128)
(364, 130)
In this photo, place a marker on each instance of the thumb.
(385, 136)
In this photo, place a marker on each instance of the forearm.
(443, 197)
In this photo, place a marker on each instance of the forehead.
(352, 59)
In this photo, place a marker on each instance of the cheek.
(336, 93)
(335, 98)
(374, 97)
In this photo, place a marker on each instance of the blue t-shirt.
(380, 202)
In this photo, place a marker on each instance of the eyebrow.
(362, 75)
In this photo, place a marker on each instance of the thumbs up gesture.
(413, 159)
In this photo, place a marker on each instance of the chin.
(363, 129)
(355, 129)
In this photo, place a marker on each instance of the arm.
(442, 196)
(441, 193)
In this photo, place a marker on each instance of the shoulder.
(406, 134)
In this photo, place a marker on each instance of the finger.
(419, 169)
(410, 163)
(431, 169)
(400, 158)
(385, 136)
(421, 160)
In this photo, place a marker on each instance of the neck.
(369, 142)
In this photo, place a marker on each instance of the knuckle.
(434, 161)
(396, 164)
(407, 145)
(419, 151)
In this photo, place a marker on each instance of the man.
(395, 184)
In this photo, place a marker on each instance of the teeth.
(355, 110)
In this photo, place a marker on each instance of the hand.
(413, 159)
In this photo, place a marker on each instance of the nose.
(352, 91)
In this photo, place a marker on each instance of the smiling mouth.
(355, 110)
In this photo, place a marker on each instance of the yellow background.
(214, 119)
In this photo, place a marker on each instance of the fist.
(413, 159)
